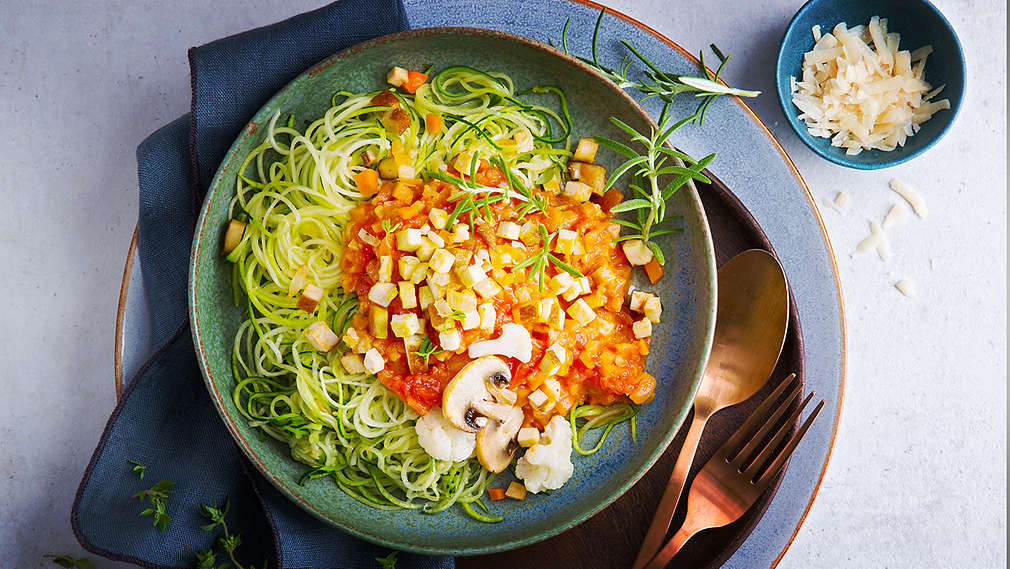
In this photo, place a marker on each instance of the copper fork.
(743, 467)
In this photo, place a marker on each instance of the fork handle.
(671, 496)
(673, 546)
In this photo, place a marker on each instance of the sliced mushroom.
(467, 401)
(496, 442)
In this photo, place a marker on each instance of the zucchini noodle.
(596, 416)
(296, 190)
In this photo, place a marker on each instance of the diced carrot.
(367, 182)
(403, 192)
(414, 81)
(654, 271)
(432, 123)
(644, 390)
(408, 212)
(496, 493)
(611, 198)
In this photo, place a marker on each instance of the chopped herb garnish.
(226, 540)
(428, 349)
(157, 495)
(538, 262)
(456, 315)
(68, 561)
(389, 226)
(387, 562)
(138, 468)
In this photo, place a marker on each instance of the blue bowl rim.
(844, 160)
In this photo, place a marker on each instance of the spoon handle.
(671, 496)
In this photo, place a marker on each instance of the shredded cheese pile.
(860, 91)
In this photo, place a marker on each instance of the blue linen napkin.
(165, 419)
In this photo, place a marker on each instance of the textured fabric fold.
(165, 419)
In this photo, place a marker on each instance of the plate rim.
(811, 203)
(708, 316)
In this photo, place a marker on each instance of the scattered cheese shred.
(915, 200)
(841, 200)
(905, 287)
(858, 90)
(895, 214)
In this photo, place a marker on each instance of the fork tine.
(737, 439)
(764, 457)
(780, 460)
(747, 453)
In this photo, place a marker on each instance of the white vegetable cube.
(642, 328)
(424, 297)
(586, 150)
(538, 398)
(310, 298)
(566, 241)
(638, 299)
(385, 269)
(462, 162)
(351, 338)
(557, 320)
(435, 239)
(488, 316)
(557, 355)
(420, 273)
(404, 325)
(528, 436)
(367, 237)
(524, 140)
(425, 250)
(545, 308)
(442, 307)
(528, 233)
(552, 388)
(373, 361)
(450, 340)
(382, 293)
(471, 319)
(460, 232)
(652, 308)
(463, 300)
(637, 252)
(470, 275)
(581, 312)
(487, 288)
(409, 239)
(396, 77)
(321, 336)
(352, 363)
(437, 290)
(405, 171)
(406, 266)
(441, 261)
(508, 230)
(408, 295)
(438, 218)
(605, 327)
(561, 282)
(552, 186)
(578, 191)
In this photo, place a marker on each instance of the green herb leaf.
(387, 562)
(67, 561)
(138, 468)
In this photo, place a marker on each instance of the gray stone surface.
(918, 476)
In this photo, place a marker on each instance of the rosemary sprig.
(538, 261)
(474, 198)
(157, 495)
(427, 349)
(662, 179)
(661, 84)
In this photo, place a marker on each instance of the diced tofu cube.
(352, 363)
(462, 300)
(470, 275)
(404, 325)
(378, 322)
(351, 338)
(637, 252)
(578, 191)
(561, 282)
(528, 436)
(592, 175)
(483, 258)
(442, 307)
(552, 186)
(424, 297)
(557, 320)
(585, 285)
(382, 293)
(426, 249)
(405, 171)
(385, 269)
(638, 299)
(441, 279)
(566, 241)
(581, 312)
(552, 388)
(367, 237)
(471, 319)
(516, 491)
(642, 328)
(396, 77)
(408, 295)
(310, 298)
(585, 151)
(435, 239)
(321, 336)
(406, 266)
(605, 327)
(462, 162)
(463, 256)
(438, 217)
(409, 239)
(545, 308)
(529, 234)
(572, 292)
(508, 230)
(460, 232)
(437, 290)
(557, 353)
(487, 288)
(411, 344)
(373, 361)
(653, 308)
(450, 340)
(420, 273)
(441, 261)
(488, 316)
(538, 398)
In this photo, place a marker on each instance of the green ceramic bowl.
(680, 346)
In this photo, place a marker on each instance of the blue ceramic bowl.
(919, 24)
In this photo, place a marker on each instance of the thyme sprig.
(138, 469)
(157, 496)
(658, 83)
(226, 540)
(662, 178)
(536, 264)
(70, 562)
(427, 349)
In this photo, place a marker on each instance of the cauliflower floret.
(440, 439)
(547, 465)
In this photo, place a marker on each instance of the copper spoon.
(750, 329)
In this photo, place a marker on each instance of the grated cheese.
(915, 200)
(864, 98)
(895, 214)
(905, 287)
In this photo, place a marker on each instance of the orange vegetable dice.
(610, 199)
(654, 271)
(414, 81)
(432, 123)
(496, 493)
(403, 192)
(367, 182)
